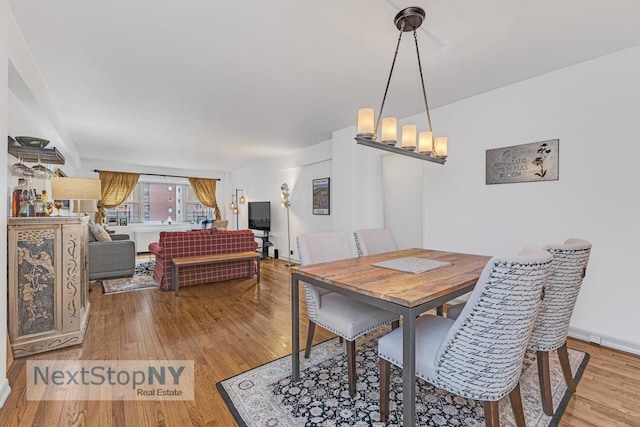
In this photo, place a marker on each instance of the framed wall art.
(537, 161)
(321, 196)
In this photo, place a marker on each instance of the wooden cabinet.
(48, 286)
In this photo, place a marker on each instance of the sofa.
(109, 259)
(176, 244)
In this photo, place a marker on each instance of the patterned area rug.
(266, 396)
(142, 279)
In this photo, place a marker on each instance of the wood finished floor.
(230, 327)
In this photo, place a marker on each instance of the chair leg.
(385, 380)
(340, 340)
(395, 324)
(351, 366)
(440, 310)
(310, 332)
(566, 368)
(516, 406)
(544, 378)
(491, 416)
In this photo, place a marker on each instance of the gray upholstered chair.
(115, 258)
(478, 356)
(337, 313)
(374, 241)
(552, 325)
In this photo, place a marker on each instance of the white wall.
(261, 182)
(403, 189)
(4, 116)
(593, 108)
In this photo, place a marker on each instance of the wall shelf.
(35, 154)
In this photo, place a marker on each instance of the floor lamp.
(235, 201)
(285, 204)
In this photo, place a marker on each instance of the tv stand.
(264, 247)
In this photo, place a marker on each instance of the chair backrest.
(482, 354)
(568, 269)
(374, 241)
(315, 248)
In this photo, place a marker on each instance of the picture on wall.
(537, 161)
(321, 196)
(122, 221)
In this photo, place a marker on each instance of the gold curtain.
(205, 190)
(116, 187)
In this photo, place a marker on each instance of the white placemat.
(412, 264)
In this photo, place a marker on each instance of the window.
(149, 201)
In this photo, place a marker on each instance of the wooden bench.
(176, 263)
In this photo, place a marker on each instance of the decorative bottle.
(39, 206)
(48, 206)
(15, 197)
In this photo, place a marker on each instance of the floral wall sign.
(537, 161)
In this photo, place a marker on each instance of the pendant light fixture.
(421, 145)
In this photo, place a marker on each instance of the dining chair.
(480, 354)
(335, 312)
(552, 326)
(374, 241)
(569, 267)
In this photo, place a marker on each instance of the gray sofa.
(112, 259)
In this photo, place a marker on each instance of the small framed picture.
(321, 196)
(112, 220)
(122, 221)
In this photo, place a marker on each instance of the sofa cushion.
(99, 233)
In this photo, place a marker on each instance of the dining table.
(406, 293)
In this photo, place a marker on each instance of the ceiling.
(218, 85)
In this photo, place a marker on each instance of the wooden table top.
(407, 289)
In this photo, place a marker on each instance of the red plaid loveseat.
(175, 244)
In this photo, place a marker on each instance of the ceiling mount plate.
(412, 18)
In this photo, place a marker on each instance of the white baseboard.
(5, 390)
(604, 340)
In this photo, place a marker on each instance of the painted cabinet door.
(48, 304)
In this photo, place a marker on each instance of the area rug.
(266, 396)
(142, 279)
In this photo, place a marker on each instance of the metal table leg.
(409, 368)
(295, 330)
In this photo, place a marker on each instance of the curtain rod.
(165, 176)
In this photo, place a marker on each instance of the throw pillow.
(100, 233)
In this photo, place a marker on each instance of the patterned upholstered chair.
(478, 356)
(552, 325)
(374, 241)
(337, 313)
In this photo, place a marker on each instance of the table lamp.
(65, 188)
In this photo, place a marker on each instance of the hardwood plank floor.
(229, 327)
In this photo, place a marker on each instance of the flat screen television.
(260, 216)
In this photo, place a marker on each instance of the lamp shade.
(390, 130)
(85, 206)
(440, 146)
(365, 122)
(65, 188)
